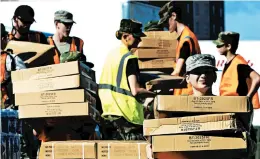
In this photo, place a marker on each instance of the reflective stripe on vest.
(118, 79)
(76, 45)
(229, 81)
(114, 91)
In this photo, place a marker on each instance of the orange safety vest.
(76, 45)
(187, 36)
(32, 37)
(4, 90)
(229, 81)
(3, 71)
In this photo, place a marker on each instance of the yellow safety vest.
(114, 92)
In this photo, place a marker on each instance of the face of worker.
(131, 41)
(64, 28)
(22, 26)
(172, 23)
(201, 78)
(223, 49)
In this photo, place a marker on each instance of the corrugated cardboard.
(152, 125)
(169, 143)
(162, 34)
(157, 63)
(122, 150)
(166, 82)
(156, 53)
(68, 149)
(148, 42)
(52, 97)
(225, 104)
(50, 71)
(64, 82)
(55, 110)
(33, 54)
(223, 126)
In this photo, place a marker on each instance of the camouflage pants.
(29, 143)
(123, 130)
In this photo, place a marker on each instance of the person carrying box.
(9, 62)
(119, 86)
(66, 45)
(238, 78)
(188, 44)
(22, 20)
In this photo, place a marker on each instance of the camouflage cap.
(3, 31)
(63, 16)
(166, 12)
(165, 9)
(200, 60)
(227, 37)
(132, 27)
(153, 26)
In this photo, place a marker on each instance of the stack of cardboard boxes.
(102, 149)
(61, 90)
(199, 126)
(157, 51)
(65, 90)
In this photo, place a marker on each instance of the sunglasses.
(25, 22)
(202, 71)
(219, 46)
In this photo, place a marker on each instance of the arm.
(246, 72)
(136, 89)
(184, 54)
(255, 78)
(132, 73)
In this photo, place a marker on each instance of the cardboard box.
(155, 53)
(55, 110)
(122, 149)
(64, 82)
(148, 42)
(96, 149)
(151, 125)
(169, 143)
(156, 63)
(68, 149)
(224, 104)
(162, 34)
(54, 97)
(50, 71)
(33, 54)
(213, 154)
(166, 82)
(208, 127)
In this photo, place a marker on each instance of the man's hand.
(174, 73)
(147, 102)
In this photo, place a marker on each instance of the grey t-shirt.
(63, 47)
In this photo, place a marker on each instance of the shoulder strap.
(193, 51)
(78, 42)
(38, 37)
